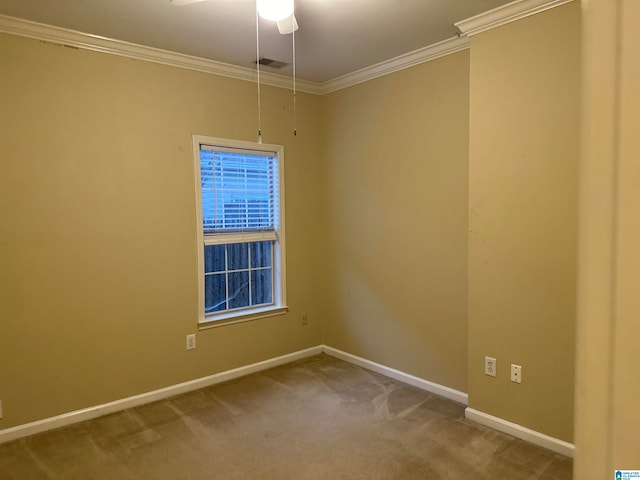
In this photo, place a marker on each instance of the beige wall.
(390, 184)
(523, 167)
(608, 384)
(97, 237)
(395, 155)
(625, 368)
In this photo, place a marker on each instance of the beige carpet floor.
(318, 418)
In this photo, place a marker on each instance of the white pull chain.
(258, 68)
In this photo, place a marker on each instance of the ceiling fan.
(279, 11)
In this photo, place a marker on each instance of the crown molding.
(96, 43)
(471, 26)
(505, 14)
(416, 57)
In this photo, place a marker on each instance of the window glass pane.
(215, 293)
(239, 289)
(238, 256)
(239, 191)
(214, 258)
(260, 254)
(261, 283)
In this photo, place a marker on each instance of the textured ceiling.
(336, 37)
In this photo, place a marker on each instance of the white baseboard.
(450, 393)
(518, 431)
(70, 418)
(496, 423)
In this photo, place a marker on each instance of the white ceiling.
(336, 37)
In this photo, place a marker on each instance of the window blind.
(239, 190)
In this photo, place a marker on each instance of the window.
(240, 230)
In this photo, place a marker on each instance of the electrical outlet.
(191, 341)
(305, 319)
(490, 366)
(516, 373)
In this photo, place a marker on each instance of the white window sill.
(215, 321)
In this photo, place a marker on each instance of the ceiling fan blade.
(287, 25)
(180, 3)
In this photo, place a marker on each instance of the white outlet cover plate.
(191, 341)
(516, 373)
(490, 366)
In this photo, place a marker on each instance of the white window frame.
(279, 306)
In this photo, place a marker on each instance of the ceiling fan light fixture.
(274, 10)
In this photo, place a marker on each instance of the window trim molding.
(231, 318)
(279, 307)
